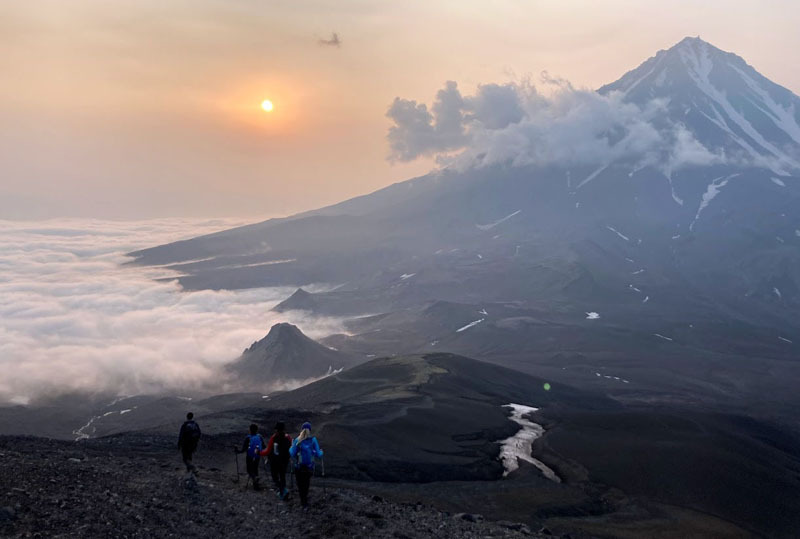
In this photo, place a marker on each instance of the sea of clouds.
(74, 317)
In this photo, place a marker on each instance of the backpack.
(305, 453)
(280, 447)
(192, 433)
(254, 448)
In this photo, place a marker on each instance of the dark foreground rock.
(60, 489)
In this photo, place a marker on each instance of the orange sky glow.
(147, 108)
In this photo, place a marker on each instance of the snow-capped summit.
(727, 105)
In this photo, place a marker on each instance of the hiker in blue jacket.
(253, 445)
(303, 451)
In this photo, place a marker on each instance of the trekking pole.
(236, 456)
(324, 489)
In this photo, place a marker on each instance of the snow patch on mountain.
(499, 221)
(618, 233)
(520, 446)
(470, 325)
(713, 189)
(778, 181)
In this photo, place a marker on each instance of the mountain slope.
(287, 354)
(688, 252)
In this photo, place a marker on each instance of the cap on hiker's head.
(307, 425)
(279, 426)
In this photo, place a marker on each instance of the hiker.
(304, 448)
(187, 441)
(253, 445)
(277, 453)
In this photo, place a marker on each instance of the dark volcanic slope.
(421, 418)
(286, 353)
(132, 487)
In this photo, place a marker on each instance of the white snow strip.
(712, 191)
(630, 260)
(637, 272)
(660, 336)
(675, 196)
(480, 256)
(618, 233)
(777, 181)
(520, 446)
(700, 66)
(592, 176)
(639, 80)
(598, 374)
(777, 292)
(503, 220)
(434, 343)
(483, 312)
(592, 315)
(407, 276)
(797, 232)
(577, 205)
(780, 240)
(109, 413)
(634, 288)
(783, 118)
(123, 412)
(676, 236)
(80, 434)
(785, 340)
(471, 324)
(645, 300)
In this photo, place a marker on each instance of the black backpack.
(280, 446)
(192, 433)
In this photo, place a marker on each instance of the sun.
(266, 105)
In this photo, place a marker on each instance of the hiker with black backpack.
(188, 437)
(253, 445)
(304, 449)
(277, 453)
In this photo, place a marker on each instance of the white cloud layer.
(73, 319)
(516, 124)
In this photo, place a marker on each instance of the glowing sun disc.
(266, 105)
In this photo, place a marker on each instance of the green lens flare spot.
(546, 386)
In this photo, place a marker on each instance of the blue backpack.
(305, 453)
(254, 448)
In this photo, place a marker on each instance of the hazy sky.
(146, 108)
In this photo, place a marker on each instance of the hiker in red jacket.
(277, 453)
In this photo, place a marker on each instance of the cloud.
(74, 319)
(453, 120)
(333, 41)
(516, 124)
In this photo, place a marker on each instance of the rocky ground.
(111, 488)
